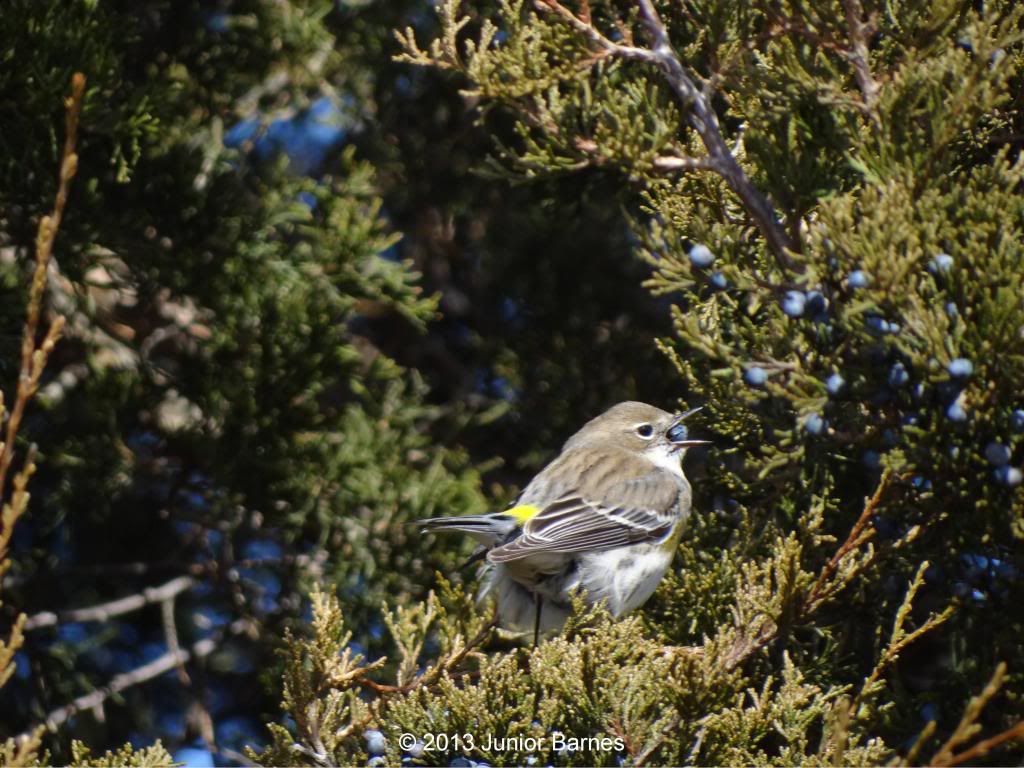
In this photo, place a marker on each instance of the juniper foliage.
(826, 200)
(36, 349)
(830, 199)
(222, 386)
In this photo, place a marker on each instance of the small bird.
(604, 517)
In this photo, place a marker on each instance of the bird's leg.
(478, 554)
(538, 602)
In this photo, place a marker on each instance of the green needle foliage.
(855, 333)
(823, 204)
(222, 378)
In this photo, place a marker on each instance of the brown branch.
(671, 729)
(119, 607)
(234, 756)
(860, 29)
(700, 115)
(857, 536)
(33, 360)
(922, 738)
(32, 357)
(747, 646)
(983, 747)
(585, 11)
(781, 25)
(768, 630)
(433, 674)
(968, 726)
(119, 683)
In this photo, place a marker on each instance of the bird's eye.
(645, 431)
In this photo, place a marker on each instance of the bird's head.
(638, 427)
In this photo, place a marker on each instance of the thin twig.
(699, 114)
(674, 163)
(200, 569)
(983, 747)
(33, 360)
(171, 636)
(237, 757)
(900, 638)
(212, 568)
(32, 357)
(968, 725)
(859, 30)
(671, 729)
(119, 683)
(747, 645)
(768, 630)
(857, 536)
(433, 674)
(119, 607)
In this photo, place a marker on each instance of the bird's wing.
(573, 524)
(617, 501)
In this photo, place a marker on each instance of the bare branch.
(699, 114)
(860, 29)
(212, 568)
(119, 683)
(119, 607)
(983, 747)
(171, 635)
(704, 120)
(673, 163)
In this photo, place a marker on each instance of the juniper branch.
(33, 357)
(825, 587)
(983, 747)
(109, 610)
(122, 682)
(433, 674)
(859, 30)
(968, 725)
(900, 638)
(699, 113)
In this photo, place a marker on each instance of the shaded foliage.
(844, 347)
(260, 378)
(262, 384)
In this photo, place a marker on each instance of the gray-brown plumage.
(604, 517)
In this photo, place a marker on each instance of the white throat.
(664, 457)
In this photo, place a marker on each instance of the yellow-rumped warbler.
(603, 517)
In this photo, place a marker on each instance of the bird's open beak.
(678, 435)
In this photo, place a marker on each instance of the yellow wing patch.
(522, 512)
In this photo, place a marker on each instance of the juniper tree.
(224, 421)
(220, 421)
(871, 184)
(830, 200)
(39, 337)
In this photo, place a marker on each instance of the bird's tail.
(486, 529)
(464, 523)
